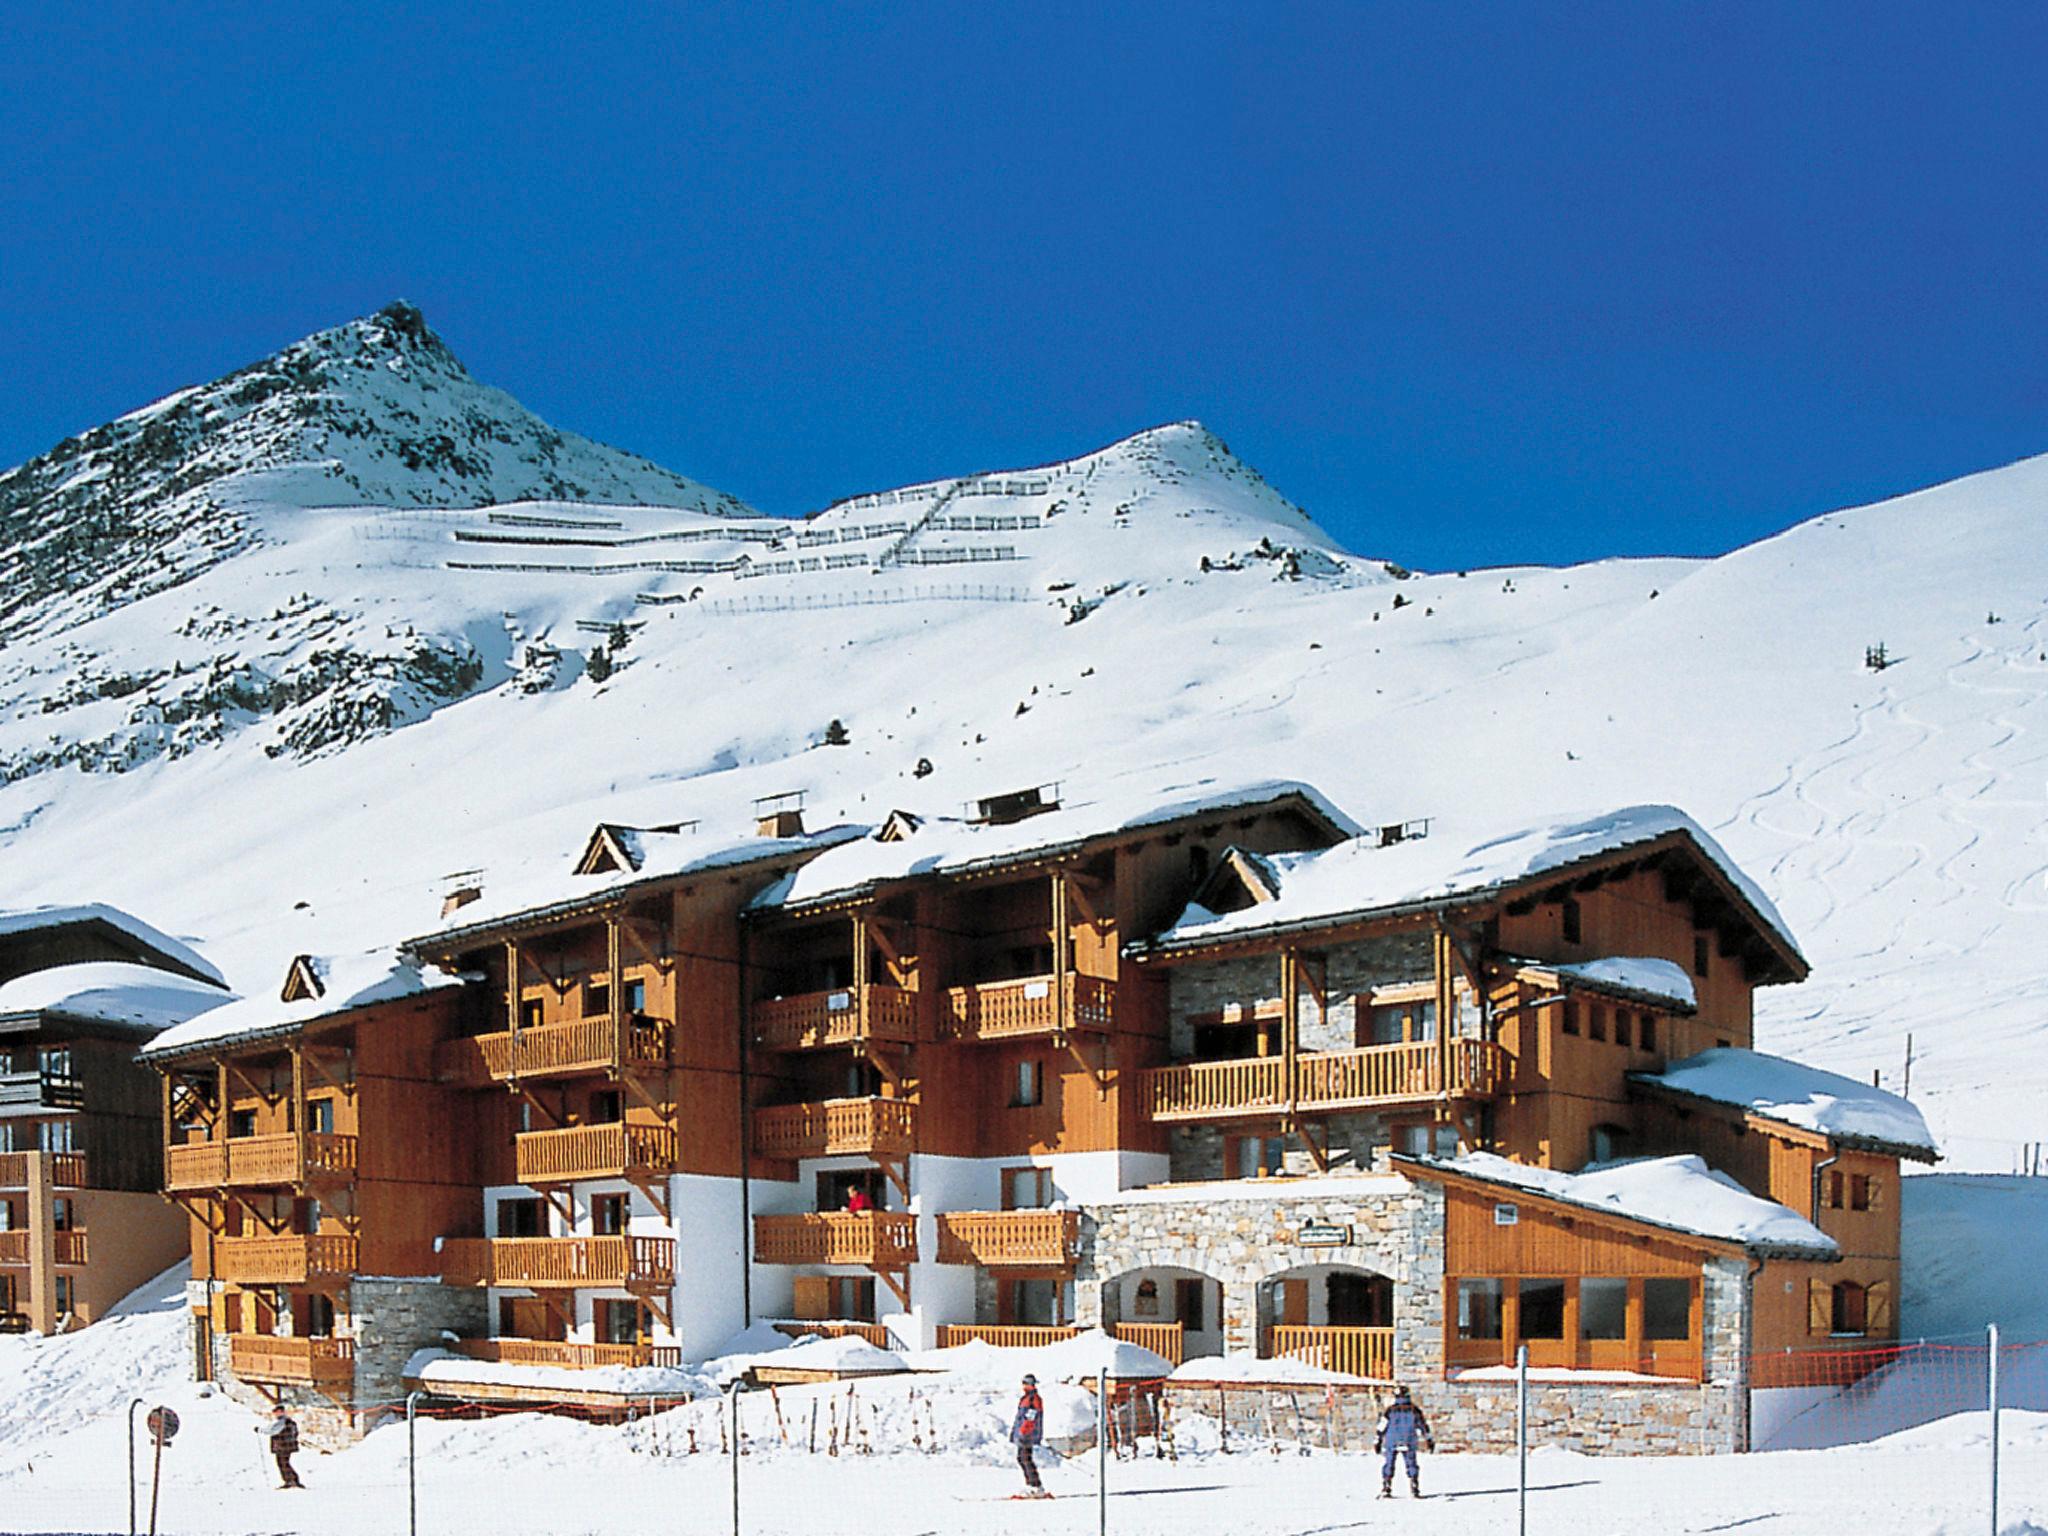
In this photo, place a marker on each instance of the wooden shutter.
(1876, 1192)
(813, 1296)
(1820, 1307)
(1877, 1309)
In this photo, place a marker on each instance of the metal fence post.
(1993, 1376)
(1102, 1451)
(132, 1406)
(1522, 1439)
(412, 1480)
(735, 1393)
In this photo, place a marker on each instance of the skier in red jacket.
(1028, 1429)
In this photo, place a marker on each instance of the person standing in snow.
(283, 1435)
(1402, 1427)
(1027, 1430)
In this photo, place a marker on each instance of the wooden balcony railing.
(555, 1050)
(1008, 1010)
(259, 1161)
(994, 1239)
(36, 1089)
(72, 1250)
(836, 1127)
(878, 1239)
(1167, 1339)
(618, 1150)
(292, 1259)
(569, 1354)
(1366, 1078)
(292, 1362)
(14, 1246)
(813, 1019)
(71, 1247)
(550, 1263)
(1354, 1351)
(67, 1169)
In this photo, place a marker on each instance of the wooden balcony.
(292, 1259)
(260, 1162)
(71, 1247)
(1354, 1351)
(40, 1090)
(67, 1169)
(574, 1049)
(321, 1363)
(812, 1020)
(1372, 1077)
(874, 1333)
(870, 1127)
(1027, 1007)
(618, 1150)
(14, 1246)
(877, 1239)
(1012, 1239)
(561, 1263)
(1165, 1339)
(568, 1354)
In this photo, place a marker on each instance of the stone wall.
(1207, 986)
(1357, 1142)
(392, 1318)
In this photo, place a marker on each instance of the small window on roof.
(1572, 927)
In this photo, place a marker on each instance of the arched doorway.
(1340, 1316)
(1167, 1294)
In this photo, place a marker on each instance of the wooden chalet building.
(1220, 1071)
(81, 987)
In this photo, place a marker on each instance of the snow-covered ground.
(926, 1455)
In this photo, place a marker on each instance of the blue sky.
(1472, 284)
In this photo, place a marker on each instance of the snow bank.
(849, 1355)
(347, 981)
(439, 1368)
(1359, 877)
(112, 992)
(1799, 1095)
(1680, 1193)
(1080, 1358)
(1282, 1370)
(1971, 1250)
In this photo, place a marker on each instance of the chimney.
(1017, 804)
(460, 889)
(780, 815)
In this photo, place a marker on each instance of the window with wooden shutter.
(813, 1296)
(1877, 1309)
(1820, 1307)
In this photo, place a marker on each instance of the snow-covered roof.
(1680, 1194)
(942, 845)
(346, 982)
(142, 997)
(1644, 977)
(15, 920)
(1798, 1095)
(537, 892)
(1361, 878)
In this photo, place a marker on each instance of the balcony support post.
(861, 939)
(1062, 963)
(298, 1115)
(1443, 972)
(1290, 1027)
(615, 984)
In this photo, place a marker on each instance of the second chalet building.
(1219, 1070)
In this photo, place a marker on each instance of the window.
(1479, 1309)
(618, 1322)
(608, 1215)
(319, 1316)
(1609, 1143)
(837, 1187)
(320, 1117)
(1603, 1309)
(636, 996)
(1836, 1187)
(1848, 1314)
(66, 1300)
(1255, 1157)
(1034, 1303)
(1029, 1087)
(851, 1297)
(56, 1061)
(522, 1218)
(1646, 1031)
(1699, 954)
(1403, 1023)
(55, 1136)
(597, 998)
(1429, 1140)
(530, 1013)
(1572, 926)
(1623, 1027)
(61, 1214)
(1667, 1309)
(607, 1107)
(1571, 1018)
(7, 1136)
(1859, 1191)
(1542, 1309)
(1596, 1021)
(241, 1122)
(1218, 1041)
(1026, 1189)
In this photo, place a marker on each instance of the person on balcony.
(857, 1201)
(283, 1434)
(1028, 1430)
(1402, 1427)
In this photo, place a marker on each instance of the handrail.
(878, 1239)
(1325, 1080)
(268, 1357)
(996, 1238)
(1027, 1005)
(643, 1262)
(595, 1044)
(615, 1149)
(285, 1258)
(807, 1020)
(1167, 1339)
(67, 1169)
(832, 1127)
(571, 1354)
(1354, 1351)
(259, 1160)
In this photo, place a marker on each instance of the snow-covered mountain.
(210, 731)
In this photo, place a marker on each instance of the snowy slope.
(1149, 620)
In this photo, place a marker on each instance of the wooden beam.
(1062, 960)
(1290, 1023)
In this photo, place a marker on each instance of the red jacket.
(1029, 1428)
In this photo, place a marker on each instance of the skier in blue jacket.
(1027, 1430)
(1402, 1427)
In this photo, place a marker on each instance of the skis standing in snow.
(283, 1433)
(1402, 1427)
(1027, 1430)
